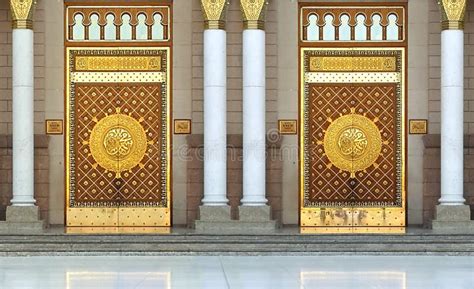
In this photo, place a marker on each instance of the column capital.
(22, 13)
(254, 12)
(452, 14)
(214, 12)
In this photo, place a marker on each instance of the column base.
(212, 219)
(214, 213)
(257, 219)
(255, 213)
(254, 220)
(453, 219)
(22, 220)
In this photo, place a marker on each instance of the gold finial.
(452, 14)
(22, 13)
(214, 12)
(253, 12)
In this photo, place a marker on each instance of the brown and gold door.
(352, 142)
(353, 138)
(118, 135)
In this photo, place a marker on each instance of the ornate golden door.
(352, 142)
(118, 108)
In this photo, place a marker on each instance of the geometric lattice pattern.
(330, 186)
(142, 185)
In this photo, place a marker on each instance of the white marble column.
(452, 214)
(452, 121)
(254, 131)
(23, 102)
(254, 213)
(215, 212)
(215, 121)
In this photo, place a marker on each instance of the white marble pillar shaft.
(254, 136)
(23, 118)
(215, 120)
(452, 120)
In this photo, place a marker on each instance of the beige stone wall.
(54, 104)
(288, 105)
(234, 63)
(195, 181)
(418, 67)
(434, 52)
(182, 102)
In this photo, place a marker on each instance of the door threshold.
(353, 230)
(117, 230)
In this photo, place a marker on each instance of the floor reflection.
(77, 280)
(357, 279)
(253, 272)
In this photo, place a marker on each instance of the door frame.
(165, 213)
(335, 45)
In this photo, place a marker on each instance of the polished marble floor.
(402, 272)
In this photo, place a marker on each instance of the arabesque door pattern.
(117, 120)
(352, 141)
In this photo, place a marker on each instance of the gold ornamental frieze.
(452, 14)
(118, 143)
(352, 143)
(214, 13)
(352, 77)
(22, 13)
(254, 12)
(353, 64)
(118, 77)
(118, 63)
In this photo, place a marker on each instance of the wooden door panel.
(143, 184)
(94, 186)
(329, 186)
(376, 185)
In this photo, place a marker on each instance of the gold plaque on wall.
(418, 126)
(287, 126)
(54, 126)
(182, 126)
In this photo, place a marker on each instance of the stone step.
(185, 244)
(236, 227)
